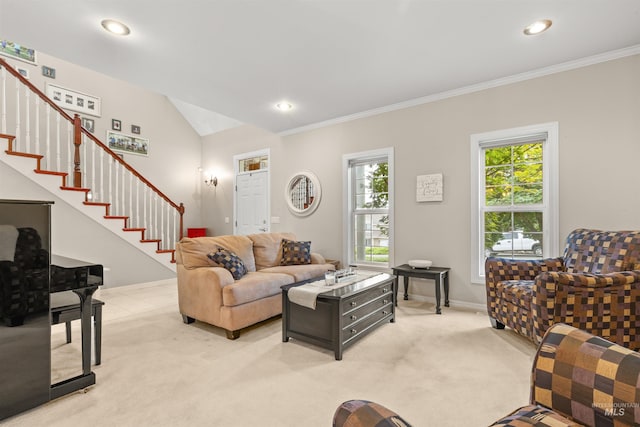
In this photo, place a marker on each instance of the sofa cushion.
(267, 248)
(534, 415)
(301, 272)
(192, 252)
(295, 253)
(602, 252)
(230, 261)
(254, 286)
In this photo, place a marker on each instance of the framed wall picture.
(121, 143)
(75, 101)
(116, 124)
(429, 188)
(17, 51)
(135, 129)
(88, 124)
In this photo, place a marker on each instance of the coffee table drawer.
(367, 307)
(355, 301)
(358, 327)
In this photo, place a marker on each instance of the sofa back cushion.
(267, 248)
(601, 252)
(192, 252)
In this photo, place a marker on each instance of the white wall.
(597, 108)
(172, 166)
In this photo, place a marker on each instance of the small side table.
(439, 274)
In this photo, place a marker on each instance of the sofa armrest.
(598, 303)
(316, 258)
(497, 270)
(363, 413)
(567, 358)
(200, 290)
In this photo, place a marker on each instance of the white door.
(252, 211)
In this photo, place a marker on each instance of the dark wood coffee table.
(342, 316)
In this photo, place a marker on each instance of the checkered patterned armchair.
(594, 286)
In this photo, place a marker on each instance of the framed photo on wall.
(128, 144)
(17, 51)
(116, 124)
(88, 124)
(68, 99)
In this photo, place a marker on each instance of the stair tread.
(150, 241)
(165, 251)
(18, 153)
(96, 203)
(133, 229)
(45, 172)
(86, 190)
(116, 217)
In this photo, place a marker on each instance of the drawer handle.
(384, 312)
(385, 290)
(353, 303)
(385, 301)
(353, 331)
(354, 317)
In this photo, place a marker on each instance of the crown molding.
(558, 68)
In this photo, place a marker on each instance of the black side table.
(439, 274)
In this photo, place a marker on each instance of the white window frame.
(550, 203)
(347, 192)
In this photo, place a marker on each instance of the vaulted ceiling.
(328, 58)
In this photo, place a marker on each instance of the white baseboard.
(453, 303)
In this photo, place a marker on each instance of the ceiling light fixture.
(115, 27)
(284, 106)
(537, 27)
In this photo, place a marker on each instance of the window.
(514, 195)
(369, 214)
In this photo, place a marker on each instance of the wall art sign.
(75, 101)
(17, 51)
(429, 188)
(128, 144)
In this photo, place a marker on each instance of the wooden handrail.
(76, 121)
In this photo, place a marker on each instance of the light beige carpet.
(435, 370)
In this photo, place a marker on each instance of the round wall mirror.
(302, 193)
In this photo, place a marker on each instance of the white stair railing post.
(47, 153)
(58, 154)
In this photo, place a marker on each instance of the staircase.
(52, 149)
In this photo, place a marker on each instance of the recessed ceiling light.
(115, 27)
(284, 106)
(537, 27)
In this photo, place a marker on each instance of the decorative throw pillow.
(295, 253)
(230, 261)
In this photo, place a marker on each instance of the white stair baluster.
(37, 133)
(93, 168)
(58, 141)
(138, 203)
(131, 217)
(47, 153)
(102, 199)
(4, 101)
(116, 200)
(17, 135)
(27, 124)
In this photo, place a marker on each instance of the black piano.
(28, 276)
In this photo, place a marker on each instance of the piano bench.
(65, 307)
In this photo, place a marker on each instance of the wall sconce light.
(213, 180)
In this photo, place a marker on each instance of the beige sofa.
(208, 292)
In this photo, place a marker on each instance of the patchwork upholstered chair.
(594, 286)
